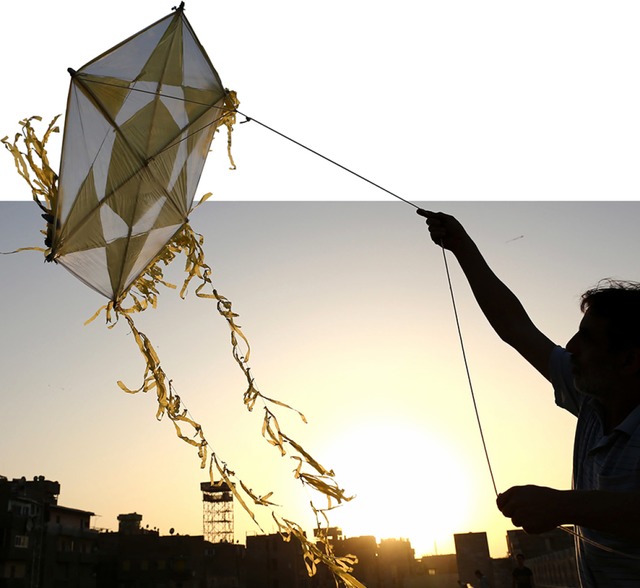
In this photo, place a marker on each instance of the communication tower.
(217, 512)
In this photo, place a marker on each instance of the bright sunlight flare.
(408, 484)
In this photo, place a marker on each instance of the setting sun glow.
(425, 503)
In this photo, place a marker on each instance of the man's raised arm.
(503, 310)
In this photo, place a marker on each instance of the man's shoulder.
(565, 392)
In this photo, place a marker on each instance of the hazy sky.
(345, 303)
(347, 308)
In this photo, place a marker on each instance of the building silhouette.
(551, 556)
(472, 550)
(42, 543)
(46, 545)
(134, 557)
(365, 548)
(273, 562)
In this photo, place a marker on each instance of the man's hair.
(619, 303)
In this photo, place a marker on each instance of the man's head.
(619, 304)
(606, 348)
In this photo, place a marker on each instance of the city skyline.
(216, 530)
(47, 541)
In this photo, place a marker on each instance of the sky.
(519, 119)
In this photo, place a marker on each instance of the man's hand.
(445, 230)
(534, 508)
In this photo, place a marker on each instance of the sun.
(408, 484)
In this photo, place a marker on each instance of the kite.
(139, 124)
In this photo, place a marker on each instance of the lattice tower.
(217, 512)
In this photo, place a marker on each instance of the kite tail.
(322, 481)
(169, 403)
(320, 553)
(32, 165)
(308, 470)
(271, 431)
(231, 104)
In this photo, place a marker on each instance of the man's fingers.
(505, 502)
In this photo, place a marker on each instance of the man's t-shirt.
(600, 462)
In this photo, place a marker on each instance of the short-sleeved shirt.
(600, 462)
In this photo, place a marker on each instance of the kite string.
(466, 366)
(453, 300)
(455, 311)
(250, 119)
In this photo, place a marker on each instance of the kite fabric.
(139, 125)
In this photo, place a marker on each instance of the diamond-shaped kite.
(139, 124)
